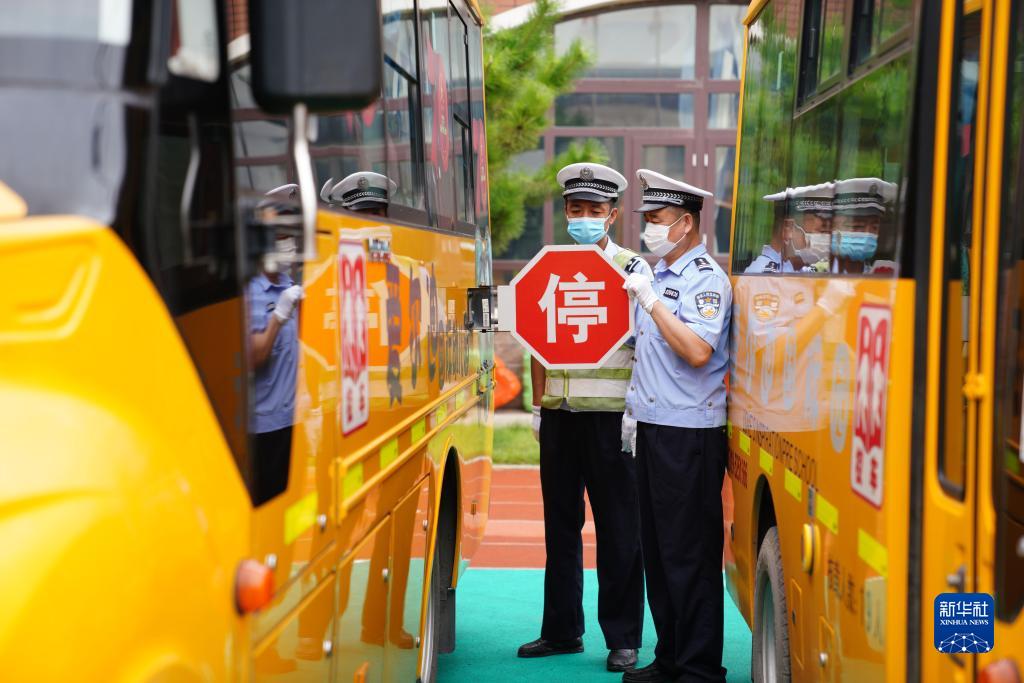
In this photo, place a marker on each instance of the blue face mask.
(587, 230)
(856, 246)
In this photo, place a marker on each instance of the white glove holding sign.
(536, 423)
(639, 287)
(628, 435)
(286, 303)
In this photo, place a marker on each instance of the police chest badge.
(766, 306)
(708, 304)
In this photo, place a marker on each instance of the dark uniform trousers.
(680, 473)
(577, 450)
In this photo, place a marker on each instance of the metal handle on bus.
(304, 173)
(957, 579)
(188, 190)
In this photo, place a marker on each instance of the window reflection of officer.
(775, 256)
(860, 204)
(583, 439)
(677, 396)
(363, 192)
(272, 298)
(811, 209)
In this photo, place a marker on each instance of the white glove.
(536, 423)
(835, 296)
(639, 287)
(628, 435)
(286, 302)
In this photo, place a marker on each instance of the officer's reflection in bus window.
(860, 205)
(810, 207)
(775, 256)
(273, 299)
(363, 192)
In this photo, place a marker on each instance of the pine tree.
(523, 76)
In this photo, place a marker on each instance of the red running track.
(514, 537)
(515, 527)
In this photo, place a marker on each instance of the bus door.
(950, 486)
(1000, 521)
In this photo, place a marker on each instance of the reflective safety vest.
(600, 389)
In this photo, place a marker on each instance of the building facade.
(662, 93)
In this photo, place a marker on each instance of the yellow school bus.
(245, 431)
(875, 459)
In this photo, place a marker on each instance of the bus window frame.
(1007, 506)
(849, 73)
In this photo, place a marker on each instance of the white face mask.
(280, 260)
(656, 237)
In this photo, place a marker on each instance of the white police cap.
(591, 182)
(778, 196)
(863, 196)
(660, 191)
(361, 190)
(813, 198)
(281, 200)
(287, 191)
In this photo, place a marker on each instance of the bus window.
(402, 120)
(872, 144)
(822, 53)
(348, 142)
(465, 207)
(437, 115)
(1007, 453)
(877, 24)
(476, 95)
(767, 116)
(953, 452)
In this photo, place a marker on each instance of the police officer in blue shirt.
(677, 396)
(578, 420)
(272, 298)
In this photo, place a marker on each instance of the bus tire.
(431, 623)
(770, 639)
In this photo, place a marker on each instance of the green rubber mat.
(500, 609)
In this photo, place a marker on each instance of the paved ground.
(501, 597)
(515, 528)
(504, 418)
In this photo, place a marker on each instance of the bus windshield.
(57, 42)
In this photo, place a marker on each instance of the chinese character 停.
(578, 306)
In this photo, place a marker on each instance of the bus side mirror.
(325, 54)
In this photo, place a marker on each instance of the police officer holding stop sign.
(578, 419)
(677, 396)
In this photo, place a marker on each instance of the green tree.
(524, 74)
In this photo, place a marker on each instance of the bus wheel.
(428, 647)
(770, 642)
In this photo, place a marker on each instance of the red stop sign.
(571, 311)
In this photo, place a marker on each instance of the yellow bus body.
(122, 510)
(848, 562)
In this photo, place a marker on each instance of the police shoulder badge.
(708, 304)
(703, 265)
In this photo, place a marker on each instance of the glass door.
(677, 158)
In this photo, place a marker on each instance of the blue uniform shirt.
(273, 404)
(770, 261)
(666, 390)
